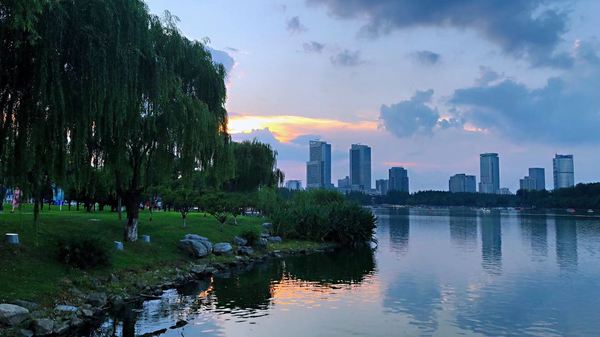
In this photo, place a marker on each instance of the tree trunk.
(132, 207)
(184, 216)
(78, 205)
(36, 218)
(119, 207)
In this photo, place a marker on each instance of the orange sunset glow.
(286, 128)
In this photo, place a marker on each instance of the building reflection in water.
(463, 228)
(491, 242)
(534, 230)
(566, 242)
(399, 229)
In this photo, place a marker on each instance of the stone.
(198, 269)
(65, 308)
(12, 238)
(223, 248)
(12, 315)
(238, 241)
(265, 235)
(275, 239)
(195, 245)
(118, 245)
(87, 312)
(43, 327)
(27, 305)
(25, 333)
(195, 237)
(179, 324)
(76, 322)
(60, 328)
(267, 225)
(262, 242)
(97, 299)
(245, 251)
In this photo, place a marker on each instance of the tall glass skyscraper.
(535, 181)
(318, 168)
(462, 183)
(398, 179)
(564, 171)
(360, 167)
(489, 166)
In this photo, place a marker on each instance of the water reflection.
(463, 228)
(566, 243)
(399, 229)
(491, 242)
(534, 230)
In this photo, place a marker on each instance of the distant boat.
(590, 210)
(570, 210)
(486, 210)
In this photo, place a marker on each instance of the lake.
(434, 272)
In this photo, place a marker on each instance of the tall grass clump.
(324, 216)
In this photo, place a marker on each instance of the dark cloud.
(347, 58)
(410, 117)
(293, 150)
(426, 57)
(564, 111)
(313, 47)
(294, 26)
(487, 76)
(223, 58)
(530, 29)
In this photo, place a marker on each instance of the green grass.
(32, 272)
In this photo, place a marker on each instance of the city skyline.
(299, 70)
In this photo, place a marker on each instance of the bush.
(250, 236)
(321, 215)
(83, 253)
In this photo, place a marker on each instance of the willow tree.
(254, 165)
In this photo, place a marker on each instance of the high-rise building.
(360, 167)
(535, 181)
(382, 186)
(293, 185)
(489, 167)
(318, 168)
(462, 183)
(398, 179)
(344, 183)
(564, 171)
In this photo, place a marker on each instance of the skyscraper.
(318, 168)
(360, 167)
(489, 166)
(564, 171)
(293, 185)
(462, 183)
(398, 179)
(381, 185)
(535, 181)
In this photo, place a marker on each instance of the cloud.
(410, 117)
(566, 110)
(223, 58)
(313, 47)
(530, 29)
(294, 26)
(426, 57)
(347, 58)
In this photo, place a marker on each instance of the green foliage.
(254, 166)
(83, 253)
(321, 215)
(251, 236)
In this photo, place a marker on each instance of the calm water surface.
(434, 273)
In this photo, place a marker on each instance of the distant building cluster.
(318, 174)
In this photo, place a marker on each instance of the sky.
(429, 85)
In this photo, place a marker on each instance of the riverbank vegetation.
(582, 196)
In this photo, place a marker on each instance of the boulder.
(65, 308)
(12, 315)
(267, 225)
(196, 245)
(27, 305)
(245, 251)
(25, 333)
(262, 242)
(223, 248)
(43, 327)
(275, 239)
(238, 241)
(61, 328)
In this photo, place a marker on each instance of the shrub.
(83, 253)
(322, 215)
(250, 236)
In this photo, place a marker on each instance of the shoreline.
(85, 309)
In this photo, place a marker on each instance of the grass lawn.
(32, 272)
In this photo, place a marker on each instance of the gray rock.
(76, 322)
(245, 251)
(195, 237)
(97, 299)
(43, 327)
(238, 241)
(25, 333)
(65, 308)
(262, 242)
(267, 225)
(27, 305)
(195, 248)
(87, 312)
(12, 315)
(223, 248)
(60, 328)
(265, 235)
(275, 239)
(198, 269)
